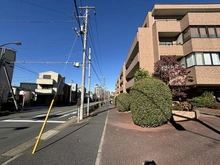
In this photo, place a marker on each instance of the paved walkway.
(182, 143)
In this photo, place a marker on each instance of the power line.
(95, 54)
(31, 21)
(47, 8)
(77, 18)
(96, 74)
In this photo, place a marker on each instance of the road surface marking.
(48, 134)
(73, 113)
(99, 155)
(31, 121)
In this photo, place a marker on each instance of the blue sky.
(45, 29)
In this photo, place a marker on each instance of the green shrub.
(122, 102)
(151, 103)
(213, 106)
(201, 101)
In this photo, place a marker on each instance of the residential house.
(48, 84)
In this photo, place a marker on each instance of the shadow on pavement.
(104, 110)
(62, 137)
(149, 163)
(176, 125)
(208, 126)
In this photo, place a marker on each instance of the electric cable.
(31, 21)
(47, 8)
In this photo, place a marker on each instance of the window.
(211, 31)
(183, 62)
(190, 60)
(203, 33)
(215, 58)
(194, 32)
(218, 31)
(199, 59)
(207, 59)
(186, 34)
(46, 76)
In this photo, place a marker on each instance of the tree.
(170, 71)
(141, 74)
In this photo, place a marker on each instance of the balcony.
(171, 50)
(45, 81)
(133, 66)
(130, 83)
(45, 91)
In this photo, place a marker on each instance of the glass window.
(216, 58)
(190, 60)
(199, 59)
(203, 33)
(183, 62)
(207, 59)
(218, 31)
(211, 31)
(194, 32)
(186, 34)
(46, 76)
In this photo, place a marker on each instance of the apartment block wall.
(150, 50)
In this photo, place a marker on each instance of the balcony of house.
(45, 91)
(129, 83)
(170, 43)
(132, 53)
(204, 75)
(45, 81)
(134, 65)
(168, 25)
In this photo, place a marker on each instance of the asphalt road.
(16, 129)
(76, 144)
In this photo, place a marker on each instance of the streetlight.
(16, 43)
(2, 63)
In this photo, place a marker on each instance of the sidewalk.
(183, 143)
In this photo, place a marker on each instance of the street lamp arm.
(16, 43)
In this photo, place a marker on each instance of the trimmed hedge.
(203, 100)
(151, 102)
(122, 102)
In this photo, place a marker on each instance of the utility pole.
(85, 32)
(104, 88)
(89, 80)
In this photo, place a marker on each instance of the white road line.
(99, 155)
(10, 160)
(48, 134)
(67, 112)
(73, 113)
(31, 121)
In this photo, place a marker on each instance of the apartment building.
(49, 83)
(191, 32)
(7, 59)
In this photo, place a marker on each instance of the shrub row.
(203, 100)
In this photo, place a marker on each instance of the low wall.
(185, 115)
